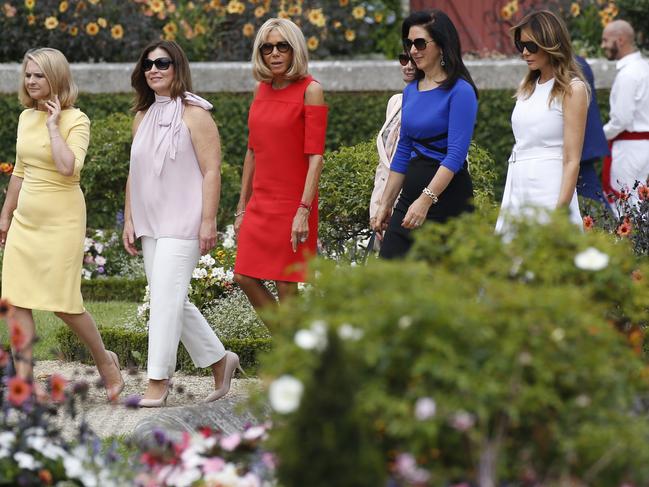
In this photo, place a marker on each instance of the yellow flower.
(506, 13)
(199, 29)
(31, 19)
(295, 10)
(63, 6)
(170, 30)
(315, 16)
(74, 30)
(378, 16)
(350, 35)
(359, 12)
(92, 29)
(117, 31)
(235, 7)
(30, 4)
(574, 9)
(190, 6)
(156, 6)
(612, 8)
(260, 12)
(343, 3)
(51, 23)
(283, 14)
(94, 2)
(102, 22)
(337, 24)
(248, 30)
(312, 43)
(215, 3)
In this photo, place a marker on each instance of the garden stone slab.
(229, 415)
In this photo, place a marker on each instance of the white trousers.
(169, 263)
(630, 164)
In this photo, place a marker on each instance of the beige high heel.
(231, 366)
(114, 392)
(156, 403)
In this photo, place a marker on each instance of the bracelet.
(237, 214)
(430, 194)
(305, 206)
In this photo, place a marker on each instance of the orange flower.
(45, 476)
(343, 3)
(215, 3)
(588, 222)
(199, 29)
(378, 17)
(636, 276)
(350, 35)
(31, 19)
(63, 6)
(117, 32)
(312, 43)
(643, 192)
(6, 167)
(51, 23)
(74, 30)
(248, 30)
(624, 229)
(295, 10)
(18, 338)
(19, 391)
(92, 29)
(636, 339)
(575, 9)
(170, 29)
(57, 387)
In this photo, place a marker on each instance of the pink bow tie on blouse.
(165, 117)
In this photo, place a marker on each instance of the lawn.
(105, 314)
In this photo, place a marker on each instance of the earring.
(442, 62)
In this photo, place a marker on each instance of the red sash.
(607, 186)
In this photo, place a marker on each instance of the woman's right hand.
(4, 228)
(237, 224)
(128, 238)
(380, 223)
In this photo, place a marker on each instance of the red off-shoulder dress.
(283, 132)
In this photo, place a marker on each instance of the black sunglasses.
(532, 47)
(404, 59)
(266, 48)
(419, 43)
(162, 63)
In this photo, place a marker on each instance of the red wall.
(475, 21)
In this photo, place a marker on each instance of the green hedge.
(124, 342)
(113, 289)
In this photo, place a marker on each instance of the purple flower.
(100, 269)
(158, 435)
(132, 401)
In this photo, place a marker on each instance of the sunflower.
(51, 23)
(312, 43)
(248, 30)
(117, 31)
(359, 12)
(350, 35)
(63, 6)
(102, 22)
(92, 29)
(30, 4)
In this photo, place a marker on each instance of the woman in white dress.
(548, 122)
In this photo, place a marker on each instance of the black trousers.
(456, 199)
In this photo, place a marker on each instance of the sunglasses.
(404, 59)
(532, 47)
(162, 63)
(267, 48)
(419, 43)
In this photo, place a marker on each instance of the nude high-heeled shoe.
(156, 403)
(113, 392)
(231, 366)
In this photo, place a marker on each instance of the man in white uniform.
(628, 127)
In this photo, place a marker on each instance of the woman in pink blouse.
(172, 197)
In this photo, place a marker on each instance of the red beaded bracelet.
(305, 206)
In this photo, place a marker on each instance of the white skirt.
(532, 188)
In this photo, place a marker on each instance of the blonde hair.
(549, 32)
(293, 35)
(56, 69)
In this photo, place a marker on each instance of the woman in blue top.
(438, 114)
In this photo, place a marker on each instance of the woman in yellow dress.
(43, 219)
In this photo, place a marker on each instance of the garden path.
(108, 420)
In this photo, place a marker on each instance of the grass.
(105, 314)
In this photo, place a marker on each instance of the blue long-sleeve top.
(437, 124)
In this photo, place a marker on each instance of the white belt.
(527, 154)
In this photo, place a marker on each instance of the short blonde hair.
(293, 35)
(56, 69)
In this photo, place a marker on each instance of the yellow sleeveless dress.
(41, 267)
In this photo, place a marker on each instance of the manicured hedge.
(113, 289)
(124, 342)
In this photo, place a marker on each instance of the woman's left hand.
(417, 211)
(54, 111)
(300, 228)
(207, 236)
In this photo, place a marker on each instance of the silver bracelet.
(430, 194)
(237, 214)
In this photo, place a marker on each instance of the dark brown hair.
(144, 96)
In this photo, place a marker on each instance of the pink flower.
(213, 465)
(462, 421)
(18, 338)
(229, 443)
(19, 391)
(254, 433)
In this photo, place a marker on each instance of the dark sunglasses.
(419, 43)
(266, 48)
(404, 59)
(532, 47)
(162, 63)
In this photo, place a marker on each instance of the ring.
(303, 239)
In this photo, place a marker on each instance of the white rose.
(285, 394)
(591, 259)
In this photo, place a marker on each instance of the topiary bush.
(491, 363)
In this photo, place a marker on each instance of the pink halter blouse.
(166, 183)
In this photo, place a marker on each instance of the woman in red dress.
(277, 214)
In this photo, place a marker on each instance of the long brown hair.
(182, 82)
(549, 32)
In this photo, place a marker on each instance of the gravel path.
(116, 420)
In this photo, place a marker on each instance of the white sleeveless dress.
(536, 164)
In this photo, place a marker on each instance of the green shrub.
(132, 347)
(637, 12)
(509, 346)
(113, 289)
